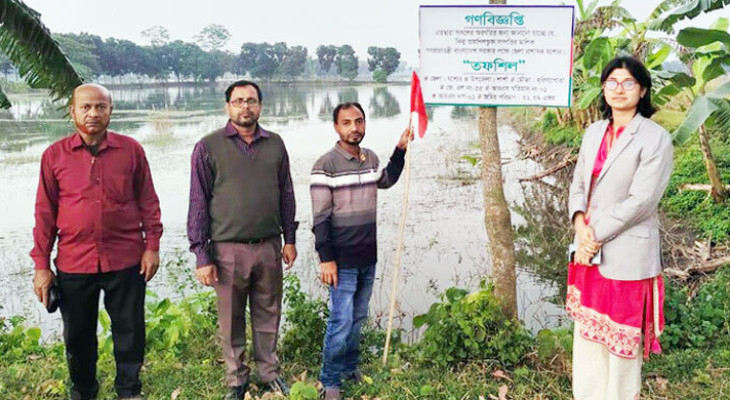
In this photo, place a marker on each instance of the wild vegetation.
(468, 347)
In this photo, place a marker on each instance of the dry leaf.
(661, 384)
(499, 374)
(503, 392)
(175, 394)
(303, 377)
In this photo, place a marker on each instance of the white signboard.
(496, 55)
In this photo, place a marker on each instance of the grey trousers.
(249, 272)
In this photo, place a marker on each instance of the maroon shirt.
(103, 208)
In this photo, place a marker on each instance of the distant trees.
(326, 56)
(157, 35)
(212, 37)
(343, 57)
(347, 63)
(204, 58)
(382, 62)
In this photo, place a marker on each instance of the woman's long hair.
(640, 73)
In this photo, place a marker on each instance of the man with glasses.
(241, 201)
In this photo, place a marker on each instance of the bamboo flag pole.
(399, 250)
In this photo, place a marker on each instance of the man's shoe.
(355, 377)
(236, 392)
(330, 394)
(277, 385)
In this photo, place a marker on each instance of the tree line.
(203, 60)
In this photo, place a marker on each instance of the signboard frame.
(493, 7)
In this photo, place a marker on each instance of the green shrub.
(18, 342)
(549, 120)
(696, 207)
(468, 326)
(380, 76)
(302, 391)
(700, 321)
(567, 135)
(305, 325)
(171, 327)
(306, 322)
(551, 343)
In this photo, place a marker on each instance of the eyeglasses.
(612, 85)
(239, 102)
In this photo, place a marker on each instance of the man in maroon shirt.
(96, 195)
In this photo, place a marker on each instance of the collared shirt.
(103, 208)
(344, 204)
(201, 189)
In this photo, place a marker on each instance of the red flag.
(419, 119)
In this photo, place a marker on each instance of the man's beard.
(247, 123)
(355, 141)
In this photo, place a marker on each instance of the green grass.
(183, 359)
(697, 208)
(669, 119)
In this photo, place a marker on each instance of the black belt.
(251, 241)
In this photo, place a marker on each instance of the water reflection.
(347, 95)
(543, 240)
(383, 104)
(285, 102)
(463, 112)
(325, 109)
(447, 240)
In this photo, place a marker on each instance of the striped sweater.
(344, 200)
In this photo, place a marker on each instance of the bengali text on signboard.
(496, 55)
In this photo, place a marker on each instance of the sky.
(363, 23)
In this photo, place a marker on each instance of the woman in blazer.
(615, 290)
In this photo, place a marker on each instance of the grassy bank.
(469, 349)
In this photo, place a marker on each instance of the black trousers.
(124, 293)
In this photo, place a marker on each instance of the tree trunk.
(497, 214)
(719, 192)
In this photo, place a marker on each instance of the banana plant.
(597, 50)
(633, 40)
(26, 41)
(711, 53)
(687, 9)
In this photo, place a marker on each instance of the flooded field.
(446, 243)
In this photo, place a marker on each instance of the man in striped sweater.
(344, 188)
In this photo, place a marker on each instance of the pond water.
(445, 245)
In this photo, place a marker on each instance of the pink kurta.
(612, 312)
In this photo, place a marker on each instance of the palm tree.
(29, 46)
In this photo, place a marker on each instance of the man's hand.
(289, 254)
(328, 273)
(42, 281)
(207, 275)
(405, 137)
(149, 264)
